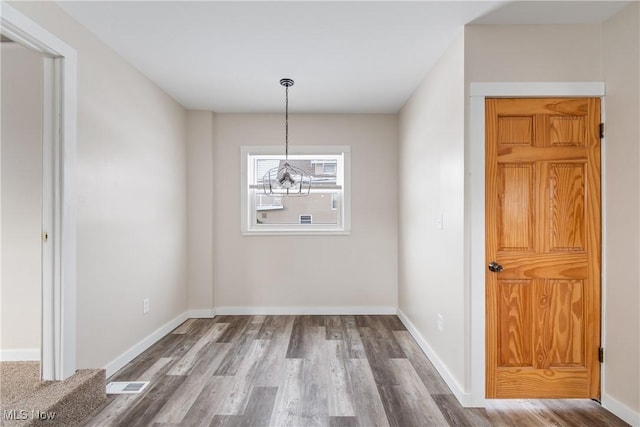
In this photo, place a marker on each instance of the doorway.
(478, 93)
(543, 246)
(22, 183)
(58, 324)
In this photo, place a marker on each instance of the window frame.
(247, 204)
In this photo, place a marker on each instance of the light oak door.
(543, 238)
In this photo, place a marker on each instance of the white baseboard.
(201, 313)
(464, 398)
(126, 357)
(20, 354)
(228, 310)
(620, 410)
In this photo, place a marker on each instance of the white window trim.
(315, 229)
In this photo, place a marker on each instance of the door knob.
(495, 267)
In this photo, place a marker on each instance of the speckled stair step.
(57, 403)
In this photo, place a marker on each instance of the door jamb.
(58, 349)
(476, 175)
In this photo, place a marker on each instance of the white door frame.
(58, 349)
(478, 92)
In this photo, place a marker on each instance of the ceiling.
(345, 57)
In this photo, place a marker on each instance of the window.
(305, 219)
(326, 210)
(329, 168)
(324, 167)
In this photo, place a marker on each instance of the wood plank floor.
(309, 371)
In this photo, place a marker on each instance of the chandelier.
(287, 179)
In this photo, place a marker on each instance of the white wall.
(621, 57)
(201, 202)
(132, 196)
(533, 53)
(358, 270)
(21, 288)
(431, 182)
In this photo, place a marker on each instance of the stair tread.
(70, 400)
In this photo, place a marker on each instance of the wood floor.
(309, 371)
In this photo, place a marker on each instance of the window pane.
(323, 170)
(262, 166)
(321, 209)
(290, 210)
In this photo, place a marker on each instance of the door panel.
(543, 228)
(515, 318)
(566, 196)
(516, 222)
(560, 321)
(515, 130)
(567, 130)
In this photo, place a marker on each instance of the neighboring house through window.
(326, 210)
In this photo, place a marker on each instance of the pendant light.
(286, 179)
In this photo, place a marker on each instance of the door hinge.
(601, 130)
(45, 236)
(601, 355)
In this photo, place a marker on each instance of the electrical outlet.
(440, 322)
(145, 306)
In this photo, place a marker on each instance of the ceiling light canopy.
(286, 180)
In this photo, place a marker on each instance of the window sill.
(296, 232)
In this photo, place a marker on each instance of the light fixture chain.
(285, 179)
(286, 123)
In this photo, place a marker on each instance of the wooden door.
(543, 231)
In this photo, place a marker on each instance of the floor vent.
(126, 387)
